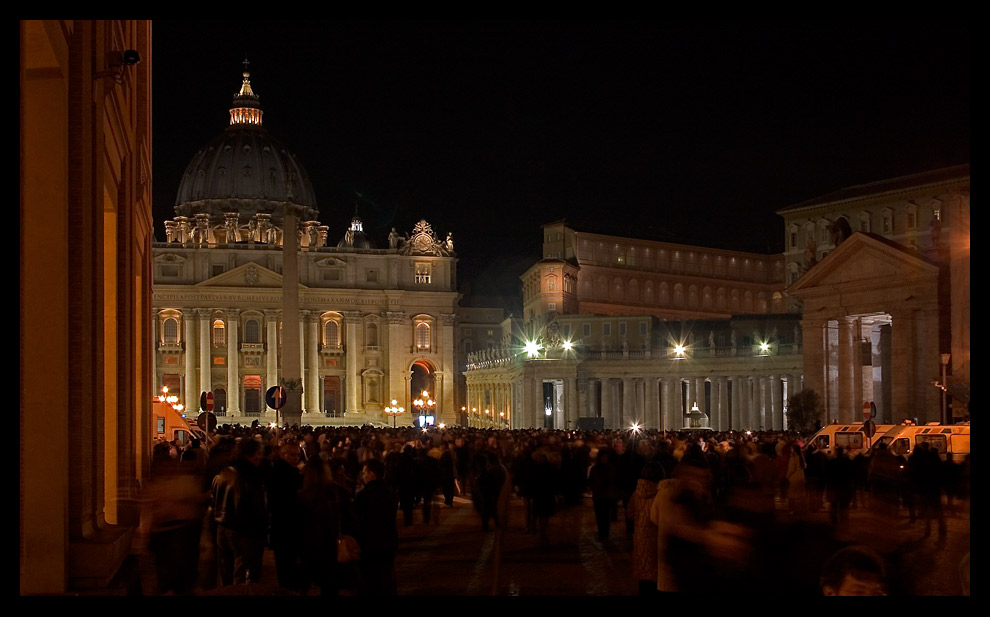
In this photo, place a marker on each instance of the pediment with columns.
(864, 261)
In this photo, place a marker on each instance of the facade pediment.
(863, 260)
(247, 275)
(331, 262)
(169, 258)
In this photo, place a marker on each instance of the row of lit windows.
(707, 299)
(331, 333)
(675, 261)
(823, 229)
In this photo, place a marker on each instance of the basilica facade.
(348, 326)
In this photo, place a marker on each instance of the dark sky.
(686, 132)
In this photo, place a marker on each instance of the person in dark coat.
(926, 465)
(544, 487)
(322, 507)
(489, 478)
(376, 532)
(604, 491)
(448, 473)
(408, 482)
(240, 510)
(428, 476)
(840, 487)
(283, 487)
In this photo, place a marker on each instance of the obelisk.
(291, 377)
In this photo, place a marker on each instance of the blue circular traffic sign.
(275, 397)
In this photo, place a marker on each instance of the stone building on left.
(84, 297)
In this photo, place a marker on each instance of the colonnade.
(731, 402)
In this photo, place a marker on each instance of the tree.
(805, 412)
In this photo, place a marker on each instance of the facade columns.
(233, 360)
(204, 356)
(352, 355)
(189, 377)
(311, 387)
(271, 356)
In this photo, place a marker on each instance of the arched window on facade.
(371, 335)
(170, 331)
(331, 334)
(219, 333)
(423, 336)
(252, 331)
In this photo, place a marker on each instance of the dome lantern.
(247, 105)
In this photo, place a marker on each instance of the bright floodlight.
(532, 348)
(635, 427)
(679, 349)
(568, 345)
(764, 347)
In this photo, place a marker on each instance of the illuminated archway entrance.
(422, 379)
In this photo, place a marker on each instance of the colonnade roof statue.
(245, 170)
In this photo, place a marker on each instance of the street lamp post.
(425, 404)
(394, 410)
(945, 407)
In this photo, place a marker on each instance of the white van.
(949, 440)
(851, 438)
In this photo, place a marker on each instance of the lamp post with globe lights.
(395, 411)
(424, 407)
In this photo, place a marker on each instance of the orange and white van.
(852, 438)
(949, 440)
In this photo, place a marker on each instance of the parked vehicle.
(950, 440)
(851, 437)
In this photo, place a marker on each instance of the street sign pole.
(275, 397)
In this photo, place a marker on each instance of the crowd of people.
(698, 506)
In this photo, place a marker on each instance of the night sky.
(685, 132)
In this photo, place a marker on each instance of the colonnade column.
(814, 351)
(734, 419)
(606, 402)
(847, 370)
(777, 402)
(570, 403)
(628, 403)
(702, 396)
(233, 359)
(722, 415)
(745, 422)
(652, 411)
(539, 410)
